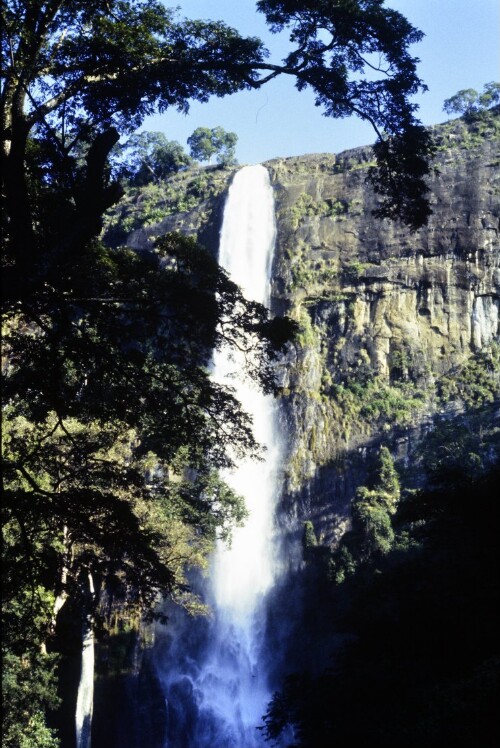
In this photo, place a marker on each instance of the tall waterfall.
(227, 686)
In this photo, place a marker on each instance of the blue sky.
(461, 49)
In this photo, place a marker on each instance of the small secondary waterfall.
(85, 698)
(226, 686)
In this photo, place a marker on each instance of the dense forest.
(405, 610)
(113, 431)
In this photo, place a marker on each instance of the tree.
(149, 157)
(201, 145)
(113, 432)
(425, 608)
(491, 95)
(468, 101)
(309, 538)
(354, 55)
(372, 531)
(373, 507)
(79, 73)
(463, 102)
(205, 143)
(388, 480)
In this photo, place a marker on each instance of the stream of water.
(85, 698)
(219, 696)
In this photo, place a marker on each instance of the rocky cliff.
(397, 328)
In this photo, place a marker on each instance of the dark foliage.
(420, 666)
(355, 56)
(403, 161)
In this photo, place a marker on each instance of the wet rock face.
(386, 313)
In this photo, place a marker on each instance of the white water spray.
(228, 689)
(243, 573)
(85, 699)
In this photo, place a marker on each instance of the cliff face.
(191, 202)
(397, 328)
(393, 322)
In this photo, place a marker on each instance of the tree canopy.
(468, 101)
(205, 143)
(148, 157)
(113, 428)
(402, 647)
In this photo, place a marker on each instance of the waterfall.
(226, 687)
(85, 698)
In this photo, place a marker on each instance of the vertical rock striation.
(388, 316)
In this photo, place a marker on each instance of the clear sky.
(461, 49)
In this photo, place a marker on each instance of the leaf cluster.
(372, 531)
(469, 102)
(355, 56)
(205, 143)
(413, 635)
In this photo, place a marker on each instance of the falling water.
(84, 704)
(227, 687)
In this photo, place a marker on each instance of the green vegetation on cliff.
(146, 206)
(408, 620)
(398, 347)
(372, 532)
(394, 327)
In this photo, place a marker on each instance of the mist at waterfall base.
(213, 670)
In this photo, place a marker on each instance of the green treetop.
(205, 143)
(148, 157)
(469, 102)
